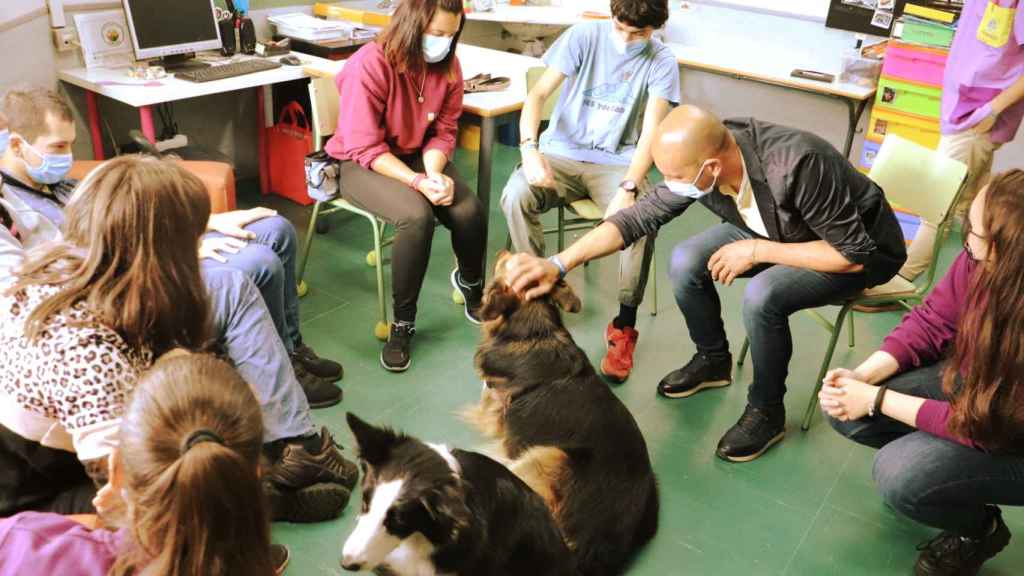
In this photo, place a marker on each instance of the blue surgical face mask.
(631, 48)
(53, 169)
(435, 48)
(5, 137)
(690, 189)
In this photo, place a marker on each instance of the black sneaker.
(322, 367)
(279, 557)
(320, 393)
(699, 373)
(951, 555)
(758, 430)
(299, 467)
(315, 503)
(473, 294)
(395, 355)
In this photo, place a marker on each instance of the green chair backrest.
(917, 178)
(923, 181)
(532, 76)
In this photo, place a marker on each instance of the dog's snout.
(350, 564)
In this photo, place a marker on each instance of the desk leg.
(855, 109)
(146, 119)
(261, 138)
(483, 179)
(95, 125)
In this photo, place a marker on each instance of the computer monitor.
(173, 31)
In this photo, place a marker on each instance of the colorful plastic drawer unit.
(883, 122)
(908, 98)
(914, 63)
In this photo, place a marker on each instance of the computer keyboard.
(231, 70)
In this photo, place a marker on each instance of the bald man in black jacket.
(798, 219)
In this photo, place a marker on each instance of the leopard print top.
(77, 375)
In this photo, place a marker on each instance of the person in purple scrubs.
(184, 484)
(982, 101)
(943, 400)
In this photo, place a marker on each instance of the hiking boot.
(298, 467)
(395, 355)
(950, 555)
(473, 294)
(315, 503)
(317, 366)
(618, 360)
(279, 557)
(758, 430)
(702, 371)
(320, 393)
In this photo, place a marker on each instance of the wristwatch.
(528, 144)
(629, 186)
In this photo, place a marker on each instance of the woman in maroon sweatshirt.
(400, 101)
(944, 398)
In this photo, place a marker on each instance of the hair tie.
(198, 437)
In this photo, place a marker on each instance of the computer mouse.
(291, 60)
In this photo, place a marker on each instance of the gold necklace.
(423, 84)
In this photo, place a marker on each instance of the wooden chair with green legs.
(917, 179)
(586, 213)
(323, 98)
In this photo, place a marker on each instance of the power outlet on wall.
(65, 39)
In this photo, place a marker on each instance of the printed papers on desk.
(306, 27)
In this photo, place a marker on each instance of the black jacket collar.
(746, 138)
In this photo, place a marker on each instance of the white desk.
(490, 109)
(115, 84)
(774, 68)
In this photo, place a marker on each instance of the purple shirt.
(47, 543)
(976, 72)
(925, 334)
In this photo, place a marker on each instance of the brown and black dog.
(560, 428)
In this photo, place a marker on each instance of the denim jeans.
(245, 331)
(931, 480)
(269, 261)
(774, 293)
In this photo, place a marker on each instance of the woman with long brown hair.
(944, 397)
(402, 97)
(85, 316)
(186, 468)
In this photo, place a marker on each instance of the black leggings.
(34, 477)
(413, 217)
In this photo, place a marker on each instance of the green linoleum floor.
(808, 507)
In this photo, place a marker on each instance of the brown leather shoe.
(298, 468)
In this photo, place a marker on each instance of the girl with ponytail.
(186, 472)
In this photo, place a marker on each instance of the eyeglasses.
(968, 232)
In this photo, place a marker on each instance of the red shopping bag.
(288, 142)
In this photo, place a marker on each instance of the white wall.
(228, 123)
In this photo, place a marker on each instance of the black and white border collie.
(430, 510)
(561, 429)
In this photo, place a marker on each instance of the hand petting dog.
(530, 275)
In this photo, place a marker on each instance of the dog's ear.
(499, 300)
(374, 443)
(447, 507)
(566, 297)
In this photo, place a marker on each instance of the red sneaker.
(618, 362)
